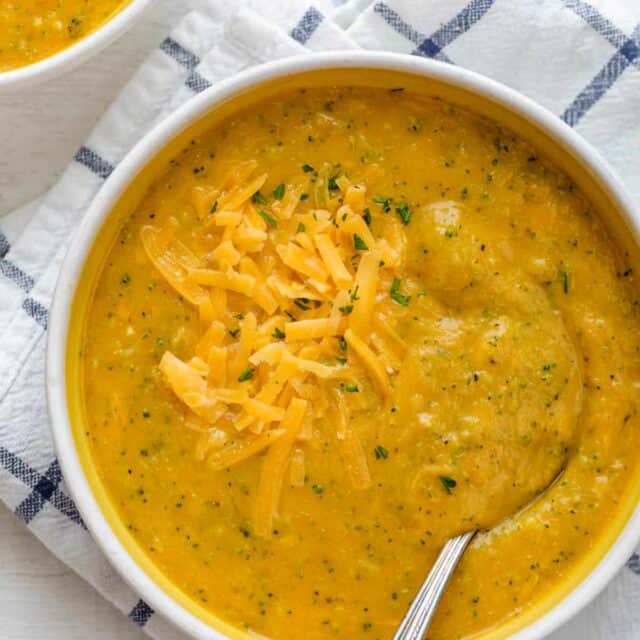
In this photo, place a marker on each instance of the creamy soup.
(341, 327)
(31, 30)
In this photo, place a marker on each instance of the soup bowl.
(70, 57)
(131, 178)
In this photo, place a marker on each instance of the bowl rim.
(627, 540)
(71, 57)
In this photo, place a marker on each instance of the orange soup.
(341, 327)
(31, 30)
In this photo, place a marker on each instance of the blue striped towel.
(580, 59)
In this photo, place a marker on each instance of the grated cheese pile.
(292, 298)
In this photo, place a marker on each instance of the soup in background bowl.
(342, 316)
(42, 39)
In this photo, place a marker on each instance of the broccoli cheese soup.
(342, 326)
(31, 30)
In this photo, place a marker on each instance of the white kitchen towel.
(580, 59)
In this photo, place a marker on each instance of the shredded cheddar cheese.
(318, 292)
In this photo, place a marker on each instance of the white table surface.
(40, 129)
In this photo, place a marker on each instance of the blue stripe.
(197, 82)
(29, 508)
(37, 311)
(307, 25)
(16, 274)
(4, 245)
(634, 564)
(604, 80)
(181, 55)
(597, 21)
(45, 488)
(460, 24)
(141, 613)
(93, 162)
(432, 46)
(393, 19)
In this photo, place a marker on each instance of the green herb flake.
(307, 168)
(342, 343)
(359, 243)
(564, 278)
(367, 216)
(214, 208)
(448, 483)
(302, 303)
(301, 228)
(317, 488)
(270, 220)
(247, 374)
(259, 198)
(278, 192)
(354, 293)
(126, 279)
(234, 333)
(238, 316)
(396, 295)
(341, 360)
(350, 387)
(381, 453)
(347, 309)
(332, 184)
(404, 212)
(304, 196)
(385, 203)
(278, 334)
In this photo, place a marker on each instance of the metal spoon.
(419, 615)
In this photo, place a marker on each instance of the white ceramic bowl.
(568, 150)
(72, 56)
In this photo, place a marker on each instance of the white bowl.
(568, 150)
(72, 56)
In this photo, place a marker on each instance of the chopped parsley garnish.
(341, 360)
(448, 483)
(354, 293)
(238, 316)
(278, 192)
(347, 309)
(301, 228)
(342, 343)
(332, 184)
(270, 220)
(384, 202)
(381, 453)
(404, 213)
(214, 208)
(126, 279)
(564, 277)
(396, 295)
(349, 387)
(304, 196)
(367, 216)
(317, 488)
(234, 332)
(247, 374)
(307, 168)
(359, 243)
(259, 198)
(302, 303)
(278, 334)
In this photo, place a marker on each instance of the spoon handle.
(419, 615)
